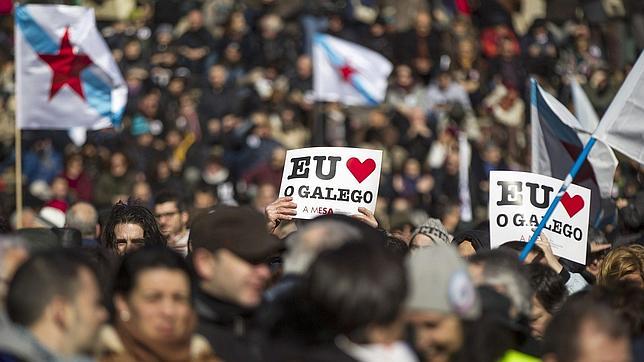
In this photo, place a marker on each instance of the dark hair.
(148, 257)
(562, 334)
(500, 257)
(627, 299)
(204, 188)
(5, 227)
(480, 239)
(104, 263)
(45, 275)
(354, 286)
(494, 333)
(518, 246)
(170, 196)
(549, 288)
(132, 214)
(397, 246)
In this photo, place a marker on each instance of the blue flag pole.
(571, 176)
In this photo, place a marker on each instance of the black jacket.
(228, 329)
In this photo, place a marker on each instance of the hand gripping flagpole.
(571, 176)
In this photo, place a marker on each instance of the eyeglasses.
(166, 214)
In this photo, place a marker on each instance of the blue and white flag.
(65, 74)
(601, 157)
(348, 73)
(584, 109)
(557, 140)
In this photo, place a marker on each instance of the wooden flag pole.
(18, 168)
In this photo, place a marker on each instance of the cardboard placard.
(329, 180)
(518, 201)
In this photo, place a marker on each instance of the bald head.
(83, 217)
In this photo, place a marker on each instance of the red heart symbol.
(361, 170)
(572, 204)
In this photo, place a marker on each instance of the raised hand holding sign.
(519, 201)
(328, 180)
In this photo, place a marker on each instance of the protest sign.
(331, 180)
(518, 201)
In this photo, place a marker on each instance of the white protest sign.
(518, 201)
(330, 180)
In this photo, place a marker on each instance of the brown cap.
(239, 229)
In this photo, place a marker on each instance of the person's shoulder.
(16, 344)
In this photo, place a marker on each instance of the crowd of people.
(337, 288)
(163, 238)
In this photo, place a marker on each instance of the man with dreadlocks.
(129, 227)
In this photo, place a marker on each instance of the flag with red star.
(66, 76)
(348, 73)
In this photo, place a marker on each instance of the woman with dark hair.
(154, 317)
(129, 227)
(550, 293)
(347, 308)
(357, 288)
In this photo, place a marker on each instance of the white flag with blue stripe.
(557, 141)
(348, 73)
(65, 74)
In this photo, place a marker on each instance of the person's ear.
(122, 308)
(185, 217)
(60, 312)
(204, 263)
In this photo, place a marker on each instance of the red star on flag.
(346, 71)
(66, 66)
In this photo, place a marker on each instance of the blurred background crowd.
(219, 89)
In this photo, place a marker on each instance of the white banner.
(330, 180)
(518, 201)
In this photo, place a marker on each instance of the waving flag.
(66, 76)
(601, 157)
(622, 126)
(584, 110)
(347, 72)
(558, 139)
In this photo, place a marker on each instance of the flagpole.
(18, 135)
(18, 168)
(571, 176)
